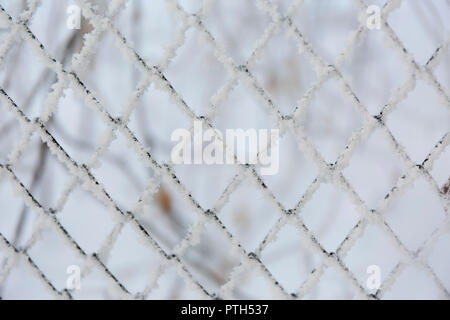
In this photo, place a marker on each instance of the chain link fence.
(86, 181)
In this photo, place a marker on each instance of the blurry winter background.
(410, 242)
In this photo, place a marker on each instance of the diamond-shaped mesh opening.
(89, 228)
(154, 120)
(57, 259)
(407, 121)
(215, 248)
(99, 67)
(288, 249)
(196, 79)
(330, 215)
(374, 81)
(421, 14)
(330, 120)
(253, 115)
(293, 167)
(292, 76)
(206, 182)
(374, 169)
(159, 24)
(123, 173)
(249, 215)
(327, 27)
(167, 217)
(131, 260)
(79, 136)
(421, 208)
(381, 254)
(226, 20)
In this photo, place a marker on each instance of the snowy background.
(407, 233)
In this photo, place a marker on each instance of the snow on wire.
(19, 31)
